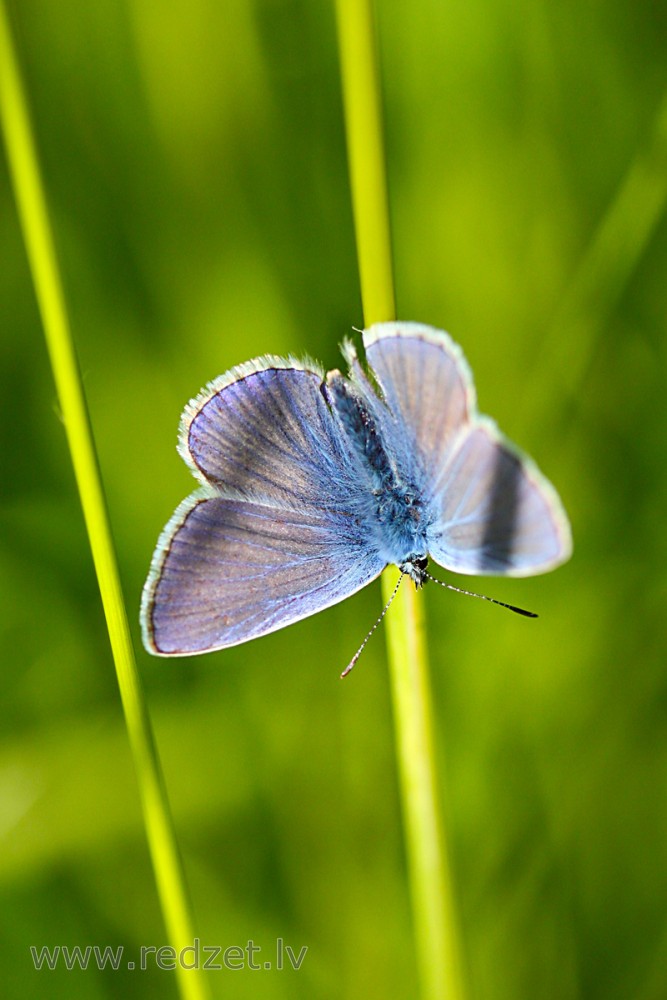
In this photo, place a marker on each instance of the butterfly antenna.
(358, 653)
(483, 597)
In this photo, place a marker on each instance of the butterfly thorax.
(402, 520)
(397, 512)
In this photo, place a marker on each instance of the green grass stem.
(569, 344)
(434, 912)
(34, 220)
(365, 151)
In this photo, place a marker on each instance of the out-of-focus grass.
(201, 210)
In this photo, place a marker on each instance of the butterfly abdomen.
(397, 515)
(361, 430)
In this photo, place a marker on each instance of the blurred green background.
(195, 165)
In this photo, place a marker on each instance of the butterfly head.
(415, 568)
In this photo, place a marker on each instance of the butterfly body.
(313, 483)
(395, 515)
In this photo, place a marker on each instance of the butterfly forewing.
(498, 514)
(226, 571)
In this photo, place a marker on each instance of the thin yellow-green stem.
(434, 912)
(365, 151)
(33, 215)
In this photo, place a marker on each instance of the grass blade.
(430, 882)
(568, 347)
(33, 215)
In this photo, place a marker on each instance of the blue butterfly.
(313, 483)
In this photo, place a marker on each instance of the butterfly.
(312, 483)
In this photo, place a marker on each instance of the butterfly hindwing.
(263, 431)
(428, 388)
